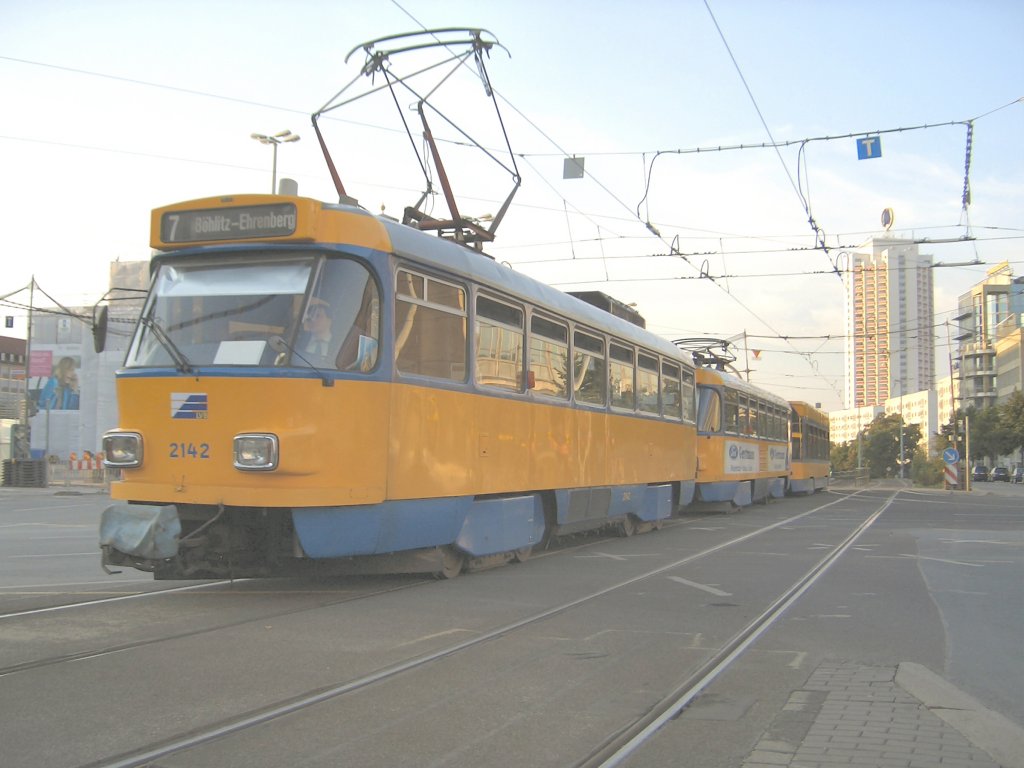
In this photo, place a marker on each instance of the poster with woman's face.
(54, 379)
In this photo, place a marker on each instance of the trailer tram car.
(809, 444)
(310, 383)
(742, 440)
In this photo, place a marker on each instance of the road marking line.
(51, 554)
(614, 557)
(704, 587)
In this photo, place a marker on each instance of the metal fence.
(89, 472)
(854, 477)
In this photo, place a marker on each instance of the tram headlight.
(256, 452)
(122, 449)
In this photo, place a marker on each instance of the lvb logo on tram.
(189, 405)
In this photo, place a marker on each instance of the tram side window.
(731, 416)
(796, 441)
(499, 344)
(341, 326)
(762, 419)
(430, 327)
(588, 369)
(709, 410)
(818, 448)
(671, 394)
(689, 394)
(647, 384)
(549, 357)
(621, 371)
(745, 421)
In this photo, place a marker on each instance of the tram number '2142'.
(189, 451)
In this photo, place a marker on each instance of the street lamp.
(277, 138)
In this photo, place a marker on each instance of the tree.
(953, 428)
(882, 446)
(925, 471)
(990, 438)
(843, 456)
(1012, 415)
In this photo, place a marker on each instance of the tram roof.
(447, 256)
(711, 376)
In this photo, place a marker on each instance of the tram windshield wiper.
(279, 345)
(180, 361)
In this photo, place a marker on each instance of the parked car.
(1017, 476)
(1000, 474)
(980, 474)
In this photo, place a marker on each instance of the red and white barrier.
(88, 461)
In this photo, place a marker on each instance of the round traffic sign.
(951, 456)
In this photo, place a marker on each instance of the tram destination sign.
(238, 223)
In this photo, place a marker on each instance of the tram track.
(122, 647)
(37, 664)
(108, 600)
(612, 749)
(633, 737)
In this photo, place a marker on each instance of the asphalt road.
(936, 580)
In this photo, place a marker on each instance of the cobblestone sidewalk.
(848, 714)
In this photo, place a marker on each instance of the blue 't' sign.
(869, 147)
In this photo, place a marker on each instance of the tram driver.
(316, 327)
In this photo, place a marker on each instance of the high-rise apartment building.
(989, 314)
(890, 347)
(12, 378)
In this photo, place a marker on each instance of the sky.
(112, 108)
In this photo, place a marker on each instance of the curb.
(986, 729)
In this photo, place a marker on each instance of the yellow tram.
(310, 382)
(809, 436)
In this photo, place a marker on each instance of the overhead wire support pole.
(28, 344)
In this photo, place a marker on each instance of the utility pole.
(903, 473)
(21, 436)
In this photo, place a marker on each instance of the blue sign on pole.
(951, 456)
(869, 147)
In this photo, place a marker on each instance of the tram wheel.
(628, 526)
(452, 563)
(522, 554)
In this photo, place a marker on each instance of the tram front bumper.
(141, 530)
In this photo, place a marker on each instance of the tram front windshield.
(245, 312)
